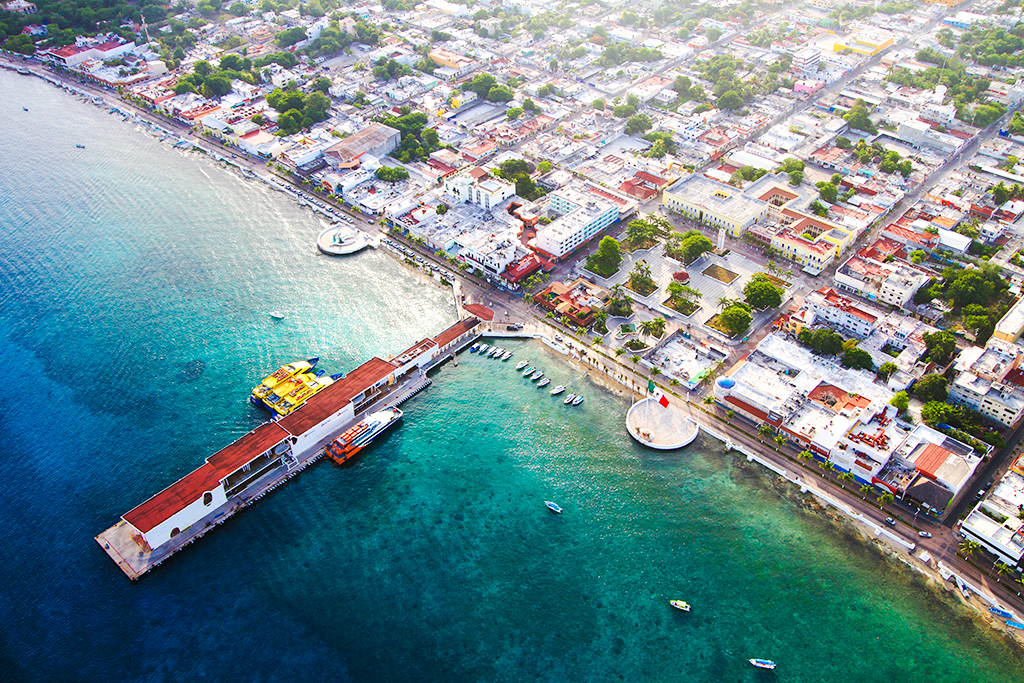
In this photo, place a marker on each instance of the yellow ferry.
(291, 386)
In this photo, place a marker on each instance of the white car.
(924, 534)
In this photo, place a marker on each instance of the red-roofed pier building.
(270, 454)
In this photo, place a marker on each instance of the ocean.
(136, 282)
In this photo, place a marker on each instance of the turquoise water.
(135, 285)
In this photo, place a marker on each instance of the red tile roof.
(456, 331)
(191, 488)
(480, 311)
(933, 457)
(336, 397)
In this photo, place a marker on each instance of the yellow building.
(947, 3)
(867, 42)
(713, 203)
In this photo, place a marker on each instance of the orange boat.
(358, 437)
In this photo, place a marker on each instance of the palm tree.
(619, 351)
(826, 465)
(708, 400)
(772, 267)
(635, 359)
(867, 488)
(969, 547)
(1002, 568)
(723, 302)
(779, 440)
(655, 371)
(730, 414)
(658, 326)
(647, 328)
(764, 430)
(885, 499)
(805, 455)
(846, 476)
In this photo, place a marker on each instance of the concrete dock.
(131, 554)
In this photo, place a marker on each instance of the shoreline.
(617, 384)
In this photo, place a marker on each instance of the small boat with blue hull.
(1014, 624)
(763, 663)
(474, 348)
(544, 382)
(569, 399)
(557, 390)
(536, 376)
(1000, 612)
(578, 400)
(553, 507)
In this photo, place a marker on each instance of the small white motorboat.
(578, 400)
(508, 354)
(276, 315)
(483, 349)
(544, 382)
(762, 663)
(522, 364)
(557, 390)
(528, 371)
(680, 604)
(569, 399)
(536, 376)
(553, 507)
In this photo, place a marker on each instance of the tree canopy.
(930, 388)
(606, 260)
(822, 340)
(761, 294)
(735, 318)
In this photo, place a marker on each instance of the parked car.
(890, 521)
(924, 534)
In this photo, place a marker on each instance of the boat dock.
(256, 464)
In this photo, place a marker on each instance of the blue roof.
(726, 382)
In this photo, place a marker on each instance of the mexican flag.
(658, 394)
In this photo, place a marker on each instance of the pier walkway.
(128, 551)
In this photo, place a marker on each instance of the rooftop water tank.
(726, 382)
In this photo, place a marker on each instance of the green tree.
(764, 430)
(843, 143)
(730, 99)
(736, 318)
(390, 174)
(606, 260)
(713, 34)
(599, 105)
(886, 370)
(828, 192)
(544, 167)
(858, 118)
(640, 123)
(901, 400)
(858, 359)
(930, 388)
(939, 346)
(885, 499)
(796, 177)
(761, 294)
(937, 412)
(514, 113)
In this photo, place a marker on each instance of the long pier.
(122, 543)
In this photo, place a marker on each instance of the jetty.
(267, 457)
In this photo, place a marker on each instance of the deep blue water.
(135, 285)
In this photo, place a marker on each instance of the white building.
(584, 214)
(995, 522)
(806, 60)
(476, 186)
(848, 315)
(981, 383)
